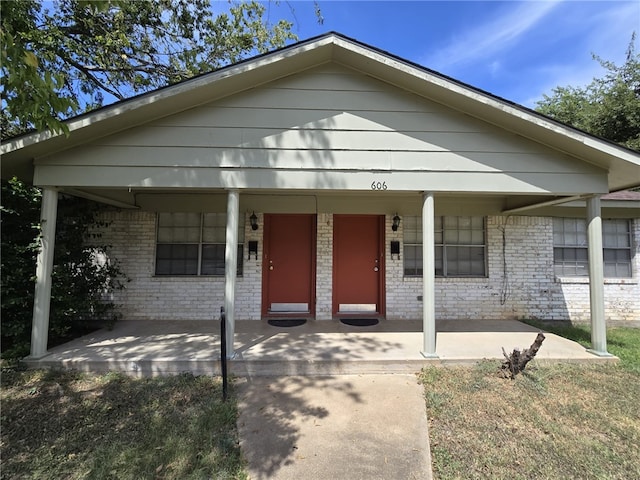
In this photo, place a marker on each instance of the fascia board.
(607, 203)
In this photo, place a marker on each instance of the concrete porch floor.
(145, 348)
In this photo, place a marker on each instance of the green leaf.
(30, 59)
(608, 107)
(60, 61)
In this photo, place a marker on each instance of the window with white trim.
(570, 248)
(460, 246)
(194, 244)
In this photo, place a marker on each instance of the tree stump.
(516, 362)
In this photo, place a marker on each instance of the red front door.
(288, 270)
(358, 264)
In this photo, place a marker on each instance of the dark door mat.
(287, 322)
(360, 322)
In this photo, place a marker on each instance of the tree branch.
(92, 78)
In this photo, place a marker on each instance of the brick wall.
(621, 296)
(132, 237)
(528, 290)
(324, 267)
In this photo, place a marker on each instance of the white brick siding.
(529, 289)
(132, 236)
(621, 296)
(324, 267)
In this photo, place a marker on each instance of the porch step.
(146, 348)
(240, 368)
(285, 367)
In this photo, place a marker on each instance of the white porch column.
(428, 277)
(230, 268)
(44, 268)
(596, 277)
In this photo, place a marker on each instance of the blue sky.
(517, 50)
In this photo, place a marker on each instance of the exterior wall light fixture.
(254, 221)
(396, 223)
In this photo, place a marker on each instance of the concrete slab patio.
(317, 348)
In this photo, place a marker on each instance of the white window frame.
(442, 244)
(570, 234)
(201, 243)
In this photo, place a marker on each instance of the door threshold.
(285, 315)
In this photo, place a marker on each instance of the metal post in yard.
(223, 352)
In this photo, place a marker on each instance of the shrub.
(83, 277)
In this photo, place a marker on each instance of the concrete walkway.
(343, 427)
(146, 348)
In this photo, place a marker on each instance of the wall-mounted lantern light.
(396, 223)
(254, 221)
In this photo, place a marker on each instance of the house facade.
(516, 277)
(330, 179)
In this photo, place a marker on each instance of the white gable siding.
(327, 128)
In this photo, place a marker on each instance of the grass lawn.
(623, 342)
(76, 426)
(551, 422)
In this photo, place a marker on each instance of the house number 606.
(378, 185)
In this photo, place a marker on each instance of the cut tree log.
(516, 362)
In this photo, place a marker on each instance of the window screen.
(194, 244)
(459, 246)
(570, 248)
